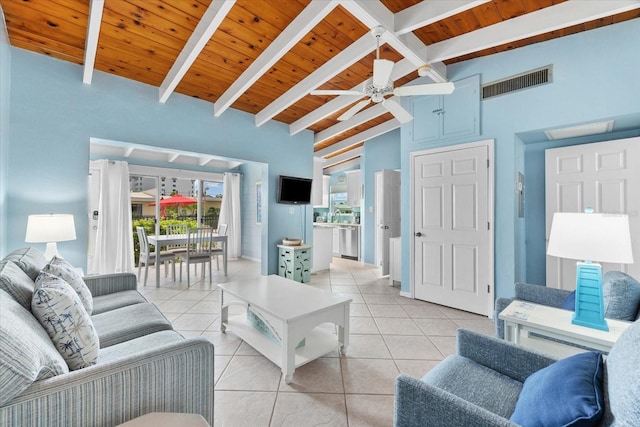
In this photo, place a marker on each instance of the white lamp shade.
(591, 236)
(50, 228)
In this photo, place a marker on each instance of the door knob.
(386, 227)
(418, 234)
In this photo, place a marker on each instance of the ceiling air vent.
(518, 82)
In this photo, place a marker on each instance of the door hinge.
(488, 226)
(487, 163)
(488, 288)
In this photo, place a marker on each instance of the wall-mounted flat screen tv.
(294, 191)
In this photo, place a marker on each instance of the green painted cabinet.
(294, 262)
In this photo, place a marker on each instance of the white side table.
(166, 419)
(523, 318)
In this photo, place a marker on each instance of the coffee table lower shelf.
(317, 342)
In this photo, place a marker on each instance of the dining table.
(161, 240)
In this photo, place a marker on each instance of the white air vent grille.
(518, 82)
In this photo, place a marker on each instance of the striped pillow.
(62, 269)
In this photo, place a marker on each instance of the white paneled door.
(453, 250)
(387, 214)
(604, 176)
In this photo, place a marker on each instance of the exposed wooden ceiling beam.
(128, 151)
(348, 165)
(360, 118)
(400, 69)
(363, 136)
(356, 152)
(204, 160)
(91, 44)
(566, 14)
(315, 12)
(426, 13)
(173, 157)
(201, 35)
(353, 53)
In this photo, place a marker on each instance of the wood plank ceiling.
(263, 56)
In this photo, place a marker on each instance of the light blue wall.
(595, 76)
(53, 115)
(379, 153)
(5, 80)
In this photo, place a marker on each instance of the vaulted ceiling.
(265, 56)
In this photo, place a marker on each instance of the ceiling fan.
(380, 87)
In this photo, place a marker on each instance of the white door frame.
(489, 143)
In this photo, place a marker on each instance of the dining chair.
(149, 258)
(218, 249)
(198, 251)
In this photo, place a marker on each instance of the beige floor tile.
(191, 322)
(246, 350)
(397, 326)
(387, 310)
(243, 408)
(412, 347)
(220, 363)
(369, 411)
(367, 346)
(482, 325)
(359, 310)
(355, 298)
(224, 344)
(452, 313)
(379, 299)
(423, 311)
(344, 289)
(175, 306)
(193, 294)
(363, 325)
(416, 368)
(320, 376)
(325, 287)
(306, 409)
(255, 373)
(438, 327)
(378, 289)
(343, 281)
(446, 345)
(208, 307)
(370, 376)
(172, 316)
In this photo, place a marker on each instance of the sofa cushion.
(30, 260)
(621, 295)
(61, 268)
(116, 300)
(470, 381)
(570, 302)
(622, 379)
(16, 283)
(59, 310)
(566, 393)
(26, 352)
(138, 346)
(127, 323)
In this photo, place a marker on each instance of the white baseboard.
(406, 294)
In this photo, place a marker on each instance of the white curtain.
(113, 250)
(230, 213)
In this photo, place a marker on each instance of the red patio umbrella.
(174, 200)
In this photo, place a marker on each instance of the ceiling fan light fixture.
(423, 70)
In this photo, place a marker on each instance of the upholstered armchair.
(491, 382)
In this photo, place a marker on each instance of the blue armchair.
(482, 383)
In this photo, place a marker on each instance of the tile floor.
(389, 334)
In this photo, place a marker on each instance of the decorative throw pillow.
(61, 268)
(16, 283)
(26, 352)
(565, 393)
(570, 302)
(30, 260)
(621, 295)
(58, 308)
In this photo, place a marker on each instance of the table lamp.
(50, 229)
(591, 237)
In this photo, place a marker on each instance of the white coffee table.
(291, 311)
(520, 316)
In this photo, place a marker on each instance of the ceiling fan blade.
(381, 72)
(398, 112)
(428, 89)
(353, 110)
(336, 92)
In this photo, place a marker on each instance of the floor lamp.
(50, 229)
(590, 237)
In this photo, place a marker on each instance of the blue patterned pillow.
(565, 393)
(61, 268)
(58, 308)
